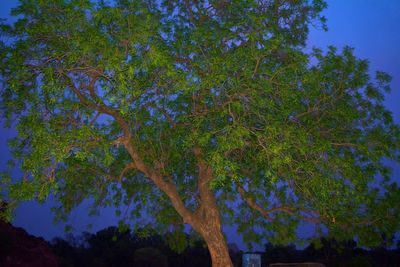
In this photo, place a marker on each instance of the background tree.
(198, 112)
(96, 249)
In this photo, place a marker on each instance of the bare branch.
(92, 122)
(128, 167)
(266, 213)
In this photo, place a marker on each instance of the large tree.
(200, 113)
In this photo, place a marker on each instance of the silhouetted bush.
(149, 257)
(111, 248)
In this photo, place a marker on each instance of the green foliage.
(177, 240)
(305, 132)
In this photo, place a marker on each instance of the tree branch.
(168, 188)
(266, 213)
(208, 212)
(129, 166)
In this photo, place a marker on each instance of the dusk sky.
(370, 26)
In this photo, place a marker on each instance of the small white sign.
(251, 260)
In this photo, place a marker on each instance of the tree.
(199, 113)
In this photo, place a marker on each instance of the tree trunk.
(218, 249)
(208, 225)
(207, 221)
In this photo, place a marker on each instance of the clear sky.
(370, 26)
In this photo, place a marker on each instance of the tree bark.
(207, 221)
(217, 246)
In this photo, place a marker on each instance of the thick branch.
(208, 210)
(167, 187)
(266, 213)
(205, 174)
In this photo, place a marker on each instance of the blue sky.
(370, 26)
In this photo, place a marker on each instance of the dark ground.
(112, 248)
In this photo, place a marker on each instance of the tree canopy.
(200, 113)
